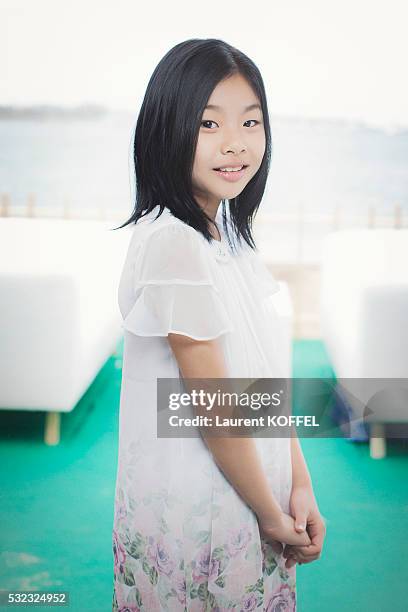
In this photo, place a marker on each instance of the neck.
(210, 207)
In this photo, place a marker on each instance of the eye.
(210, 121)
(207, 121)
(255, 120)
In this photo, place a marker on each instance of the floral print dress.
(183, 539)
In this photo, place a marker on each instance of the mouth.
(231, 173)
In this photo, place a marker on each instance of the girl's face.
(231, 134)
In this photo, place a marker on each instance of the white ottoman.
(59, 317)
(364, 311)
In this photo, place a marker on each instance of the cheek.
(203, 148)
(202, 158)
(260, 145)
(198, 154)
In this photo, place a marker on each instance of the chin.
(233, 194)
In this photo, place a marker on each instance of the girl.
(200, 522)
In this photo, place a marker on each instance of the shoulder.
(168, 250)
(173, 238)
(166, 230)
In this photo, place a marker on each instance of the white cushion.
(58, 309)
(364, 305)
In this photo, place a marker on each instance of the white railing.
(288, 242)
(296, 236)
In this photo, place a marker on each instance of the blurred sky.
(319, 58)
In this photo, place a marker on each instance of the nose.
(233, 144)
(234, 149)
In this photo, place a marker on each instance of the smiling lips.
(231, 173)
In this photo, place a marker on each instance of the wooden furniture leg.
(377, 441)
(52, 428)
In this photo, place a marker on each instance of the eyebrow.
(246, 109)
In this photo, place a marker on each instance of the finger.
(303, 541)
(297, 559)
(288, 550)
(307, 558)
(277, 547)
(305, 561)
(317, 539)
(317, 531)
(300, 522)
(308, 551)
(315, 554)
(290, 555)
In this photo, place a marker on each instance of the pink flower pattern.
(159, 557)
(202, 565)
(158, 569)
(283, 600)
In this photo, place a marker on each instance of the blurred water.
(316, 164)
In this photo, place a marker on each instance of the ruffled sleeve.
(174, 289)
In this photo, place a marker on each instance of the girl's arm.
(236, 457)
(300, 473)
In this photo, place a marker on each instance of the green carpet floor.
(57, 507)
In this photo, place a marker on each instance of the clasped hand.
(302, 533)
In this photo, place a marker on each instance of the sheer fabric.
(183, 539)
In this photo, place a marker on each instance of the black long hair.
(167, 132)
